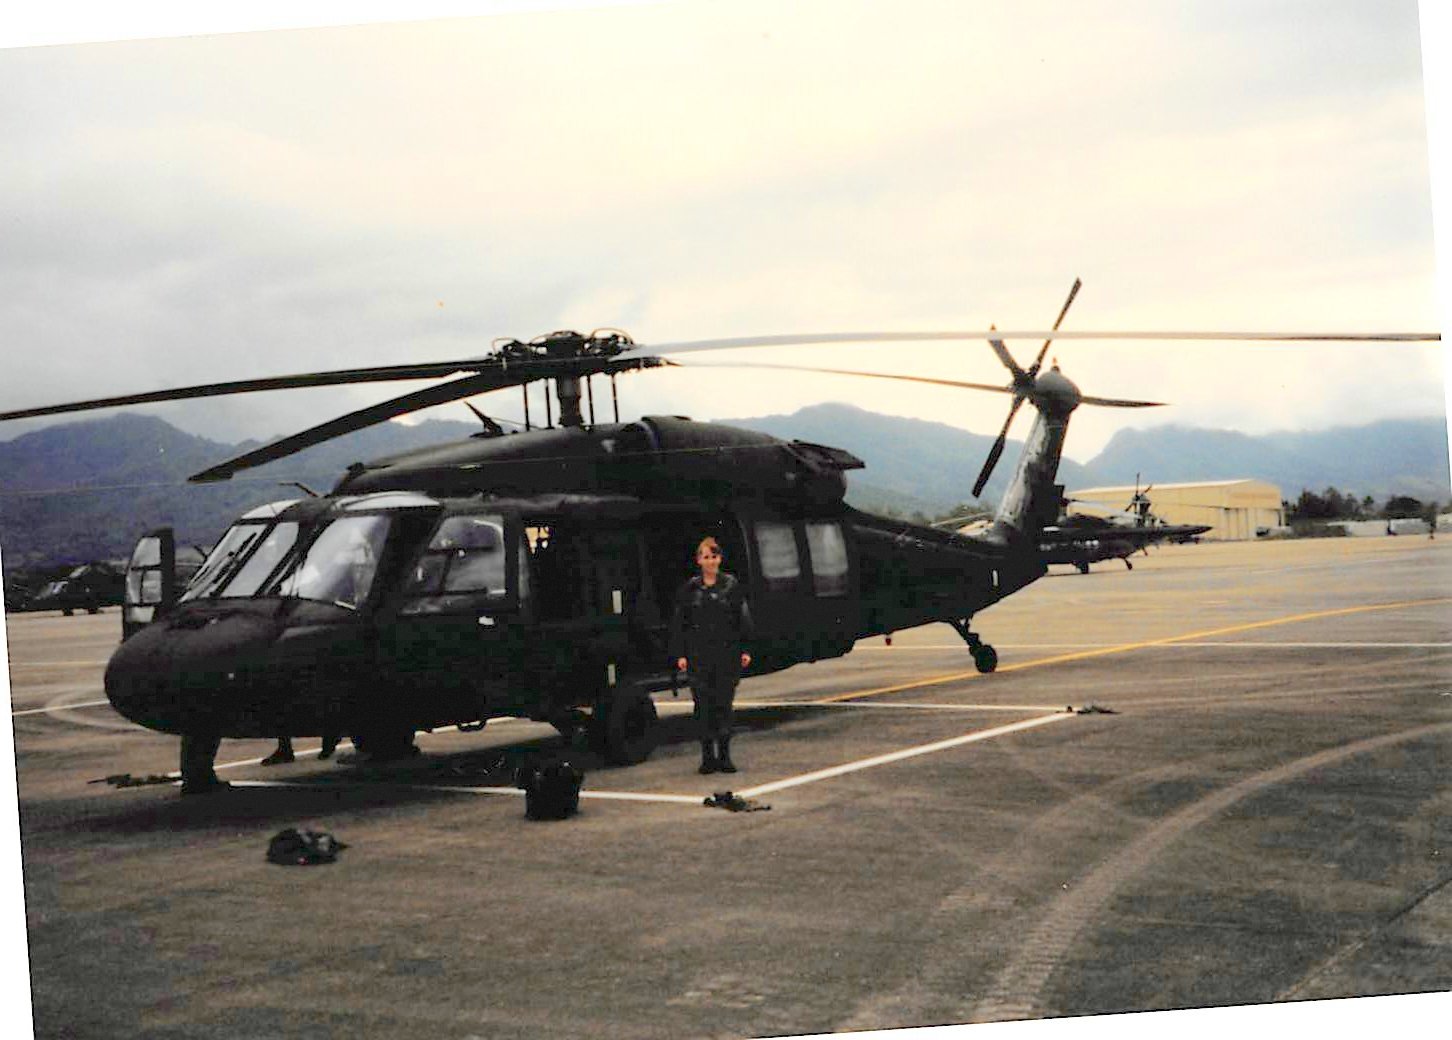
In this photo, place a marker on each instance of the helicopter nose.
(182, 675)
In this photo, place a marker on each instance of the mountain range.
(86, 490)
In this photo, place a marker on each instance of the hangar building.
(1236, 510)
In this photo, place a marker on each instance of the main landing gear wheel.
(985, 658)
(625, 730)
(385, 743)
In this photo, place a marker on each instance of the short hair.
(708, 543)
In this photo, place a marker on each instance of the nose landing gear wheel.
(985, 658)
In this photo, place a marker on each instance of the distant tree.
(1400, 507)
(1310, 506)
(1330, 504)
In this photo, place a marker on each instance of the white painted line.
(897, 756)
(58, 707)
(897, 704)
(619, 796)
(56, 664)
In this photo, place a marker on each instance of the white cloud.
(192, 210)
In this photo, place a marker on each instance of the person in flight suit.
(709, 630)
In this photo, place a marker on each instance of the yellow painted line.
(933, 680)
(1019, 708)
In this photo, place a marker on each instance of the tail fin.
(1032, 499)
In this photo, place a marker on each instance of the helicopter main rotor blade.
(809, 339)
(435, 369)
(1108, 402)
(373, 414)
(845, 372)
(385, 373)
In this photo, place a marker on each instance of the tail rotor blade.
(1117, 402)
(1038, 361)
(996, 450)
(1020, 377)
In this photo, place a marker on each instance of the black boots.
(723, 756)
(716, 757)
(283, 755)
(198, 755)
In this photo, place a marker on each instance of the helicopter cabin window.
(776, 547)
(340, 564)
(466, 556)
(828, 551)
(143, 582)
(143, 587)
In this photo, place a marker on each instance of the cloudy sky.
(191, 210)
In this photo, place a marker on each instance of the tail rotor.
(1023, 387)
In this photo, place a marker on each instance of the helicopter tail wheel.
(628, 731)
(985, 658)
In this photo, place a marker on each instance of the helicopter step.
(985, 658)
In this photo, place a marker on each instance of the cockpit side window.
(466, 554)
(466, 559)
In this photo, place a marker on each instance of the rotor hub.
(1055, 393)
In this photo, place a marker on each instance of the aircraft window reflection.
(829, 558)
(222, 560)
(466, 554)
(264, 559)
(143, 587)
(340, 565)
(776, 545)
(147, 553)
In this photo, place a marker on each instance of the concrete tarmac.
(1255, 811)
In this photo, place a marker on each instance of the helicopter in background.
(532, 574)
(1082, 539)
(88, 587)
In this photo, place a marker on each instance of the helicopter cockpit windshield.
(231, 553)
(340, 565)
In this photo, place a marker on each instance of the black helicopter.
(1081, 539)
(531, 574)
(88, 587)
